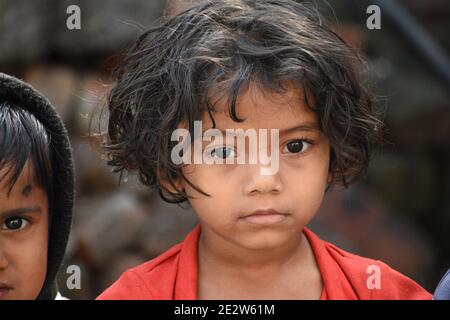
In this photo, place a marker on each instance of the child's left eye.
(297, 146)
(15, 223)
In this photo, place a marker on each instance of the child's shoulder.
(362, 277)
(133, 284)
(171, 275)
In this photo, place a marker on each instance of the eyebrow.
(305, 126)
(19, 211)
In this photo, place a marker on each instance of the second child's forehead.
(24, 184)
(262, 108)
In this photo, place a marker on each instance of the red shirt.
(173, 275)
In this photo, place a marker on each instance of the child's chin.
(264, 240)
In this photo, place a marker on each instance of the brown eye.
(15, 223)
(297, 146)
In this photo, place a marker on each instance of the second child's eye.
(297, 146)
(15, 223)
(222, 152)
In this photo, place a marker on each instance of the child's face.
(237, 190)
(23, 237)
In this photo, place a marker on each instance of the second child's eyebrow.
(20, 211)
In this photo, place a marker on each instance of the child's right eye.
(221, 152)
(15, 223)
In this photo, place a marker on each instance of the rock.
(58, 84)
(169, 225)
(107, 226)
(23, 31)
(106, 25)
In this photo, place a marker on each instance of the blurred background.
(399, 214)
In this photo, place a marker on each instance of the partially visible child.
(36, 192)
(248, 65)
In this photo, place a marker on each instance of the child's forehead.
(263, 107)
(25, 180)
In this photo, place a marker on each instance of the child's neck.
(235, 260)
(228, 271)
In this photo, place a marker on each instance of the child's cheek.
(36, 268)
(31, 263)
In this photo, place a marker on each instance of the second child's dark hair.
(168, 76)
(23, 139)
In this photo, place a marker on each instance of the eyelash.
(308, 141)
(26, 220)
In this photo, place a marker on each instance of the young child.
(36, 192)
(246, 66)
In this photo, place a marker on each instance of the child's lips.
(270, 216)
(4, 290)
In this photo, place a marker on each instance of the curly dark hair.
(168, 74)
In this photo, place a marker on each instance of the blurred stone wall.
(36, 30)
(115, 226)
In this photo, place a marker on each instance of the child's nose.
(259, 183)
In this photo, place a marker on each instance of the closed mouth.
(4, 290)
(265, 217)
